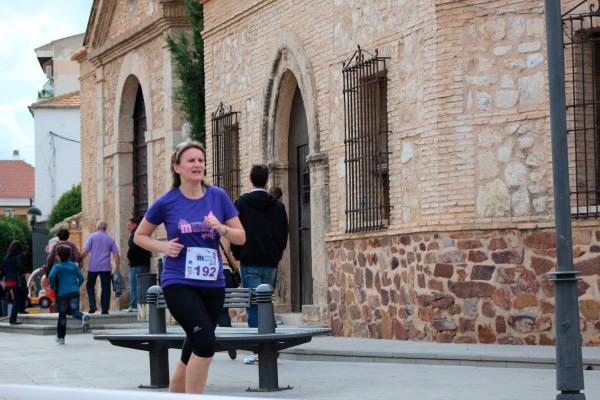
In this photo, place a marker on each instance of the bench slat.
(238, 298)
(236, 305)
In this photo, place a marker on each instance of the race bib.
(201, 263)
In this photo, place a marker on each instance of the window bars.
(582, 80)
(225, 149)
(366, 142)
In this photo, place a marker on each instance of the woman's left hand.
(212, 222)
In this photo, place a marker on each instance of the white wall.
(66, 71)
(57, 161)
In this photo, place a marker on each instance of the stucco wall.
(57, 160)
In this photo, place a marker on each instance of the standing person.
(65, 279)
(13, 271)
(265, 220)
(63, 240)
(276, 192)
(195, 216)
(3, 302)
(139, 263)
(100, 246)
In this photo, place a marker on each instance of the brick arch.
(132, 73)
(290, 68)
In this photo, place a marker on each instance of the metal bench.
(266, 340)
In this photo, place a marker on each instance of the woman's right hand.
(172, 248)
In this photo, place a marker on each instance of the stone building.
(417, 171)
(129, 122)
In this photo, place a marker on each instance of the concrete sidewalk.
(83, 362)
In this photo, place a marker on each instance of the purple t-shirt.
(184, 219)
(99, 245)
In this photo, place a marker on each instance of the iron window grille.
(582, 81)
(366, 142)
(225, 150)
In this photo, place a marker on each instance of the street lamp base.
(570, 396)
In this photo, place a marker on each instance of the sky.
(24, 26)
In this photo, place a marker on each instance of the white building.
(57, 123)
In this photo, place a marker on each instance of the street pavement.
(86, 363)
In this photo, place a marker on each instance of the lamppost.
(37, 255)
(32, 213)
(569, 365)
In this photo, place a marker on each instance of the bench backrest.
(238, 298)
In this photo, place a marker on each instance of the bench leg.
(159, 366)
(268, 376)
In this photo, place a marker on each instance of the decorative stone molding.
(133, 71)
(157, 134)
(137, 36)
(72, 222)
(289, 57)
(117, 148)
(278, 166)
(317, 159)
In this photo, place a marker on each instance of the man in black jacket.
(139, 263)
(265, 221)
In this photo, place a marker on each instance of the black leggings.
(197, 310)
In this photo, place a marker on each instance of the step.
(96, 319)
(73, 327)
(45, 323)
(292, 319)
(329, 348)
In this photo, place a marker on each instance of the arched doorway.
(299, 205)
(140, 157)
(286, 134)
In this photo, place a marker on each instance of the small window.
(366, 142)
(225, 150)
(9, 212)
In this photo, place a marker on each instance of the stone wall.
(470, 151)
(461, 287)
(467, 104)
(128, 14)
(89, 144)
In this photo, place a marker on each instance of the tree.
(189, 69)
(69, 204)
(12, 228)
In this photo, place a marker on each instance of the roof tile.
(17, 179)
(66, 100)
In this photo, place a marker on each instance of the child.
(69, 281)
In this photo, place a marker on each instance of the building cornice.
(80, 55)
(174, 16)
